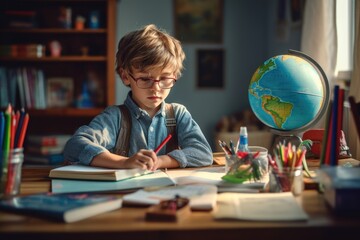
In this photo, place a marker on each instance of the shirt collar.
(133, 107)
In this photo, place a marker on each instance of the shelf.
(56, 59)
(87, 55)
(69, 112)
(55, 30)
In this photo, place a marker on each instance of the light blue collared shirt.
(101, 133)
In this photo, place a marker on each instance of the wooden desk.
(128, 223)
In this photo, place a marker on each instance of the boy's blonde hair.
(149, 48)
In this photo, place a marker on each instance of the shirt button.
(151, 129)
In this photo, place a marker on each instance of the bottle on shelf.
(243, 145)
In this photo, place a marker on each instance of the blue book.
(61, 207)
(51, 159)
(333, 136)
(341, 188)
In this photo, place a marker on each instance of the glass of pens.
(286, 169)
(241, 167)
(13, 126)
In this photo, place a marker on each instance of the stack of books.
(45, 149)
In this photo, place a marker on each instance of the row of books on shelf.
(28, 88)
(45, 149)
(56, 17)
(18, 19)
(22, 50)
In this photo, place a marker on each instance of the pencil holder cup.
(262, 156)
(252, 166)
(287, 180)
(10, 175)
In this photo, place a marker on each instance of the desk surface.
(129, 223)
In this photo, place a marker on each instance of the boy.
(149, 61)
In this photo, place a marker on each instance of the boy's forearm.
(108, 160)
(168, 162)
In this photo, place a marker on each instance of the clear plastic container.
(11, 167)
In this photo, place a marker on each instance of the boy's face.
(150, 98)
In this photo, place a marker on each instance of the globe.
(289, 93)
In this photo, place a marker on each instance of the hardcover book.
(61, 207)
(44, 150)
(48, 140)
(157, 178)
(95, 173)
(51, 159)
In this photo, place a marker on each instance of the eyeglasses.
(144, 82)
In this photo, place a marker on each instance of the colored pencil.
(2, 129)
(162, 144)
(13, 122)
(23, 131)
(19, 127)
(324, 144)
(7, 131)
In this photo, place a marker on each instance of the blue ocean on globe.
(286, 92)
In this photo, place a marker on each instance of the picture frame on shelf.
(60, 91)
(199, 21)
(210, 68)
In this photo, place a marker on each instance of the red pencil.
(23, 131)
(162, 144)
(301, 158)
(13, 129)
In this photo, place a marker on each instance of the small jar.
(11, 172)
(289, 179)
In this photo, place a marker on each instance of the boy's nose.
(156, 85)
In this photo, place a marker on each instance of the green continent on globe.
(267, 66)
(278, 110)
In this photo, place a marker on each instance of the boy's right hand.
(144, 159)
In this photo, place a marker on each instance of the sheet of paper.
(212, 176)
(259, 207)
(202, 197)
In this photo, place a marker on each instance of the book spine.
(334, 125)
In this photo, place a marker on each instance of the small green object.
(307, 144)
(245, 169)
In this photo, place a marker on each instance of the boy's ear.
(124, 77)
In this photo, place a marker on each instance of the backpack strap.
(123, 141)
(171, 128)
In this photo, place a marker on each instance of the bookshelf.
(28, 30)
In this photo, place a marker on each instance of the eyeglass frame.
(153, 81)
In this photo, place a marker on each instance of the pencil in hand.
(162, 144)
